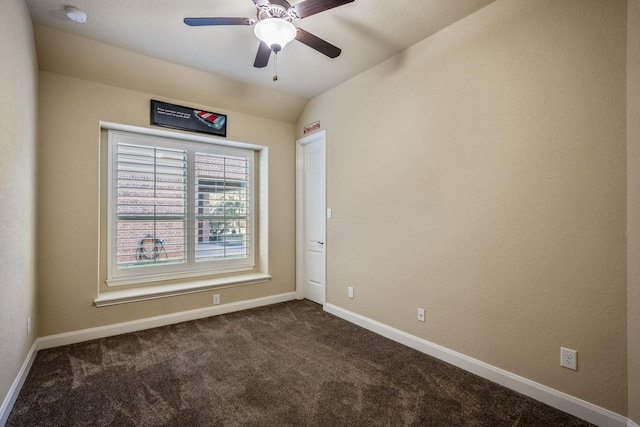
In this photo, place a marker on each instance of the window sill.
(174, 275)
(163, 291)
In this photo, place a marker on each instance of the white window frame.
(190, 269)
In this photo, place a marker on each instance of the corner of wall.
(18, 124)
(633, 210)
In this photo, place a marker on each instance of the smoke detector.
(75, 14)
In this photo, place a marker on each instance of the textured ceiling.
(367, 31)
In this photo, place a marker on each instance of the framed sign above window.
(189, 119)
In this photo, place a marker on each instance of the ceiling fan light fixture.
(275, 32)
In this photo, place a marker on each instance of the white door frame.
(300, 169)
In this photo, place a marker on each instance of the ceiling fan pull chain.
(275, 66)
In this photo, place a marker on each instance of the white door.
(311, 218)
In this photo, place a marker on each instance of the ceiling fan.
(274, 28)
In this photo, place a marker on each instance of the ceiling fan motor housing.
(273, 11)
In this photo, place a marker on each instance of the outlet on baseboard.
(350, 291)
(421, 314)
(216, 299)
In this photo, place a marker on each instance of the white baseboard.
(153, 322)
(562, 401)
(14, 391)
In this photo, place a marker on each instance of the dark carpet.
(288, 364)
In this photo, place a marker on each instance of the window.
(177, 208)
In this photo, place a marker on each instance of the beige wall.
(481, 174)
(633, 216)
(68, 194)
(18, 97)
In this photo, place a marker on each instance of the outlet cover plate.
(569, 358)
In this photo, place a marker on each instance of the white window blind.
(222, 206)
(151, 205)
(178, 208)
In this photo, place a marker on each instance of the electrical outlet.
(28, 326)
(569, 358)
(421, 314)
(350, 291)
(216, 299)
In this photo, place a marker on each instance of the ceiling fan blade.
(199, 22)
(317, 43)
(262, 58)
(311, 7)
(260, 3)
